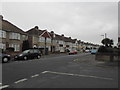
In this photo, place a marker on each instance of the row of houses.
(12, 36)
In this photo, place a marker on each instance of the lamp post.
(45, 45)
(105, 35)
(102, 36)
(52, 38)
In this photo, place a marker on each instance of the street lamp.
(52, 38)
(102, 36)
(45, 46)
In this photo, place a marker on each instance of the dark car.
(5, 57)
(28, 54)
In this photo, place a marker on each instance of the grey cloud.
(85, 21)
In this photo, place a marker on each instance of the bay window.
(2, 46)
(14, 36)
(2, 34)
(15, 46)
(41, 39)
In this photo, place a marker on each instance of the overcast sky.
(86, 21)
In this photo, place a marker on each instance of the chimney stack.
(1, 17)
(36, 27)
(52, 32)
(62, 35)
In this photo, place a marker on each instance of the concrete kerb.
(53, 55)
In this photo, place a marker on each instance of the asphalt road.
(68, 71)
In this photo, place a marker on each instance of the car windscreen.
(26, 51)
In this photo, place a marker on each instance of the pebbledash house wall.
(14, 36)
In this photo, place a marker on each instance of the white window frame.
(2, 46)
(23, 37)
(15, 46)
(48, 40)
(2, 34)
(14, 36)
(61, 42)
(41, 39)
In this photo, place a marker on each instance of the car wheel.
(25, 58)
(38, 57)
(5, 59)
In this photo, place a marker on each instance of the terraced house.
(39, 39)
(47, 42)
(50, 42)
(11, 35)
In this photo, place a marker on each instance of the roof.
(7, 26)
(67, 39)
(34, 31)
(58, 37)
(37, 32)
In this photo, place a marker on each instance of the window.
(41, 39)
(2, 34)
(2, 46)
(23, 37)
(61, 42)
(48, 40)
(55, 41)
(14, 36)
(49, 48)
(15, 46)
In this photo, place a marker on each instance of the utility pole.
(105, 35)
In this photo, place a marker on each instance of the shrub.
(103, 49)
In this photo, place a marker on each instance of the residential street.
(65, 71)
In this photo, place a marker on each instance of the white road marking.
(5, 86)
(75, 60)
(45, 72)
(0, 83)
(70, 74)
(36, 75)
(22, 80)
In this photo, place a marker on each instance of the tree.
(25, 45)
(111, 43)
(107, 42)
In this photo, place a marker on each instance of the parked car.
(87, 51)
(28, 54)
(93, 51)
(5, 57)
(73, 52)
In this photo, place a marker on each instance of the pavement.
(54, 55)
